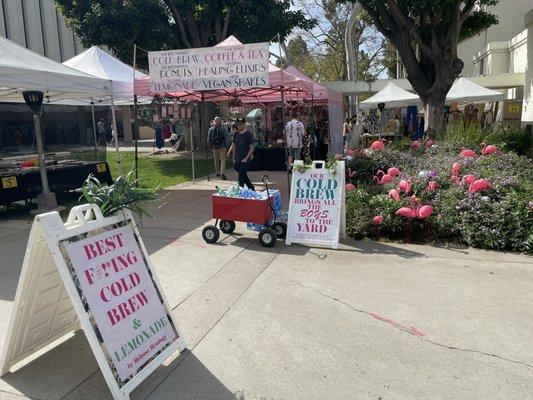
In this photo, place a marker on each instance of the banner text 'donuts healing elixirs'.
(209, 68)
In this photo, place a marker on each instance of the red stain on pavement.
(411, 329)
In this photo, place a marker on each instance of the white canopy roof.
(97, 62)
(22, 69)
(392, 96)
(464, 90)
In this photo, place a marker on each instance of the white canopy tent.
(97, 62)
(22, 70)
(392, 96)
(466, 91)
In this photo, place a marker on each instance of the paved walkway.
(368, 321)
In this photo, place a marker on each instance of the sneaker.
(223, 177)
(217, 175)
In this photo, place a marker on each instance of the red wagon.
(228, 210)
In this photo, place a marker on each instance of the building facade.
(511, 23)
(37, 25)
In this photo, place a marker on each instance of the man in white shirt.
(294, 137)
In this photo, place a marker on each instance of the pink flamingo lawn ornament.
(349, 187)
(408, 213)
(424, 213)
(382, 178)
(467, 153)
(479, 185)
(378, 220)
(393, 171)
(394, 194)
(415, 211)
(416, 144)
(404, 186)
(456, 168)
(432, 186)
(469, 179)
(456, 180)
(488, 149)
(378, 144)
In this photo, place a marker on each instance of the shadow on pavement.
(186, 378)
(362, 247)
(71, 364)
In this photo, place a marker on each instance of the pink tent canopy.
(320, 92)
(335, 103)
(293, 87)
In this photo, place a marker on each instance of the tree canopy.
(166, 24)
(321, 51)
(426, 34)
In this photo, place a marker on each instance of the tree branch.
(467, 9)
(193, 28)
(376, 17)
(409, 24)
(179, 22)
(226, 24)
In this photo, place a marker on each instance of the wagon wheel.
(267, 237)
(281, 229)
(227, 226)
(210, 234)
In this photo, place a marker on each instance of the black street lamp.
(46, 200)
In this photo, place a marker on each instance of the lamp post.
(46, 200)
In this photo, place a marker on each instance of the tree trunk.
(434, 114)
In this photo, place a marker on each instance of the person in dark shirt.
(217, 139)
(242, 149)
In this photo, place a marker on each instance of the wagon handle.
(264, 179)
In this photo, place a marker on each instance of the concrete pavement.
(368, 321)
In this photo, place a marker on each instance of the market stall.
(22, 157)
(321, 112)
(96, 62)
(274, 83)
(387, 124)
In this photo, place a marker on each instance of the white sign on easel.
(316, 207)
(92, 272)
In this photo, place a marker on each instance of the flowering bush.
(498, 217)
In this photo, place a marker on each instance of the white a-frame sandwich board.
(92, 272)
(317, 212)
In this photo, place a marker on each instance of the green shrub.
(506, 138)
(500, 218)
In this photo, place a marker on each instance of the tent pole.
(285, 139)
(115, 132)
(283, 119)
(200, 118)
(192, 154)
(136, 136)
(94, 131)
(135, 122)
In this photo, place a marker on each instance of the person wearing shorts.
(294, 137)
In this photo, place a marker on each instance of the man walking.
(217, 139)
(242, 149)
(294, 136)
(102, 133)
